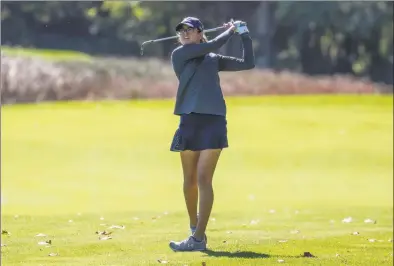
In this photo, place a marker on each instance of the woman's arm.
(229, 63)
(189, 51)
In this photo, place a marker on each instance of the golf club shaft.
(174, 37)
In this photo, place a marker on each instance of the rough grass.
(294, 163)
(28, 76)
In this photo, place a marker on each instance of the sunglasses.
(183, 31)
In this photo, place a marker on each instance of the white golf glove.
(241, 27)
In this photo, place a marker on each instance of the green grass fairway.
(48, 54)
(295, 163)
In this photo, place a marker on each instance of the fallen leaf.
(162, 261)
(105, 238)
(369, 221)
(347, 220)
(117, 227)
(5, 232)
(281, 261)
(337, 255)
(308, 255)
(282, 241)
(53, 254)
(371, 240)
(103, 233)
(355, 233)
(41, 234)
(48, 242)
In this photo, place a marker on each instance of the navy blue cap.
(192, 22)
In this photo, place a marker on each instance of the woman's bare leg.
(189, 161)
(205, 169)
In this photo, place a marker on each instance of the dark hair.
(204, 38)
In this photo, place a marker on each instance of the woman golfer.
(202, 132)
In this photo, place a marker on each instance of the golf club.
(175, 37)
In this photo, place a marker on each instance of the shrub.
(32, 79)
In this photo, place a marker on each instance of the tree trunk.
(265, 20)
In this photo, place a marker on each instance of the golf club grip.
(175, 37)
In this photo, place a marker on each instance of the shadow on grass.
(237, 254)
(245, 254)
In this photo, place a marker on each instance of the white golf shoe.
(189, 244)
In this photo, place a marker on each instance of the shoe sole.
(194, 250)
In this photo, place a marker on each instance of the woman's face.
(189, 35)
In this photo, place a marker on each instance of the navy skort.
(197, 132)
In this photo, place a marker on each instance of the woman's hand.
(229, 25)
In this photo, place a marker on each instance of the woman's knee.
(206, 167)
(190, 180)
(204, 181)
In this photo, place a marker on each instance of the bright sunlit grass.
(296, 167)
(56, 55)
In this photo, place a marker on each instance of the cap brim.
(179, 26)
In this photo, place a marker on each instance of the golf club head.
(142, 49)
(142, 46)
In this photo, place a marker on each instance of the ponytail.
(204, 38)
